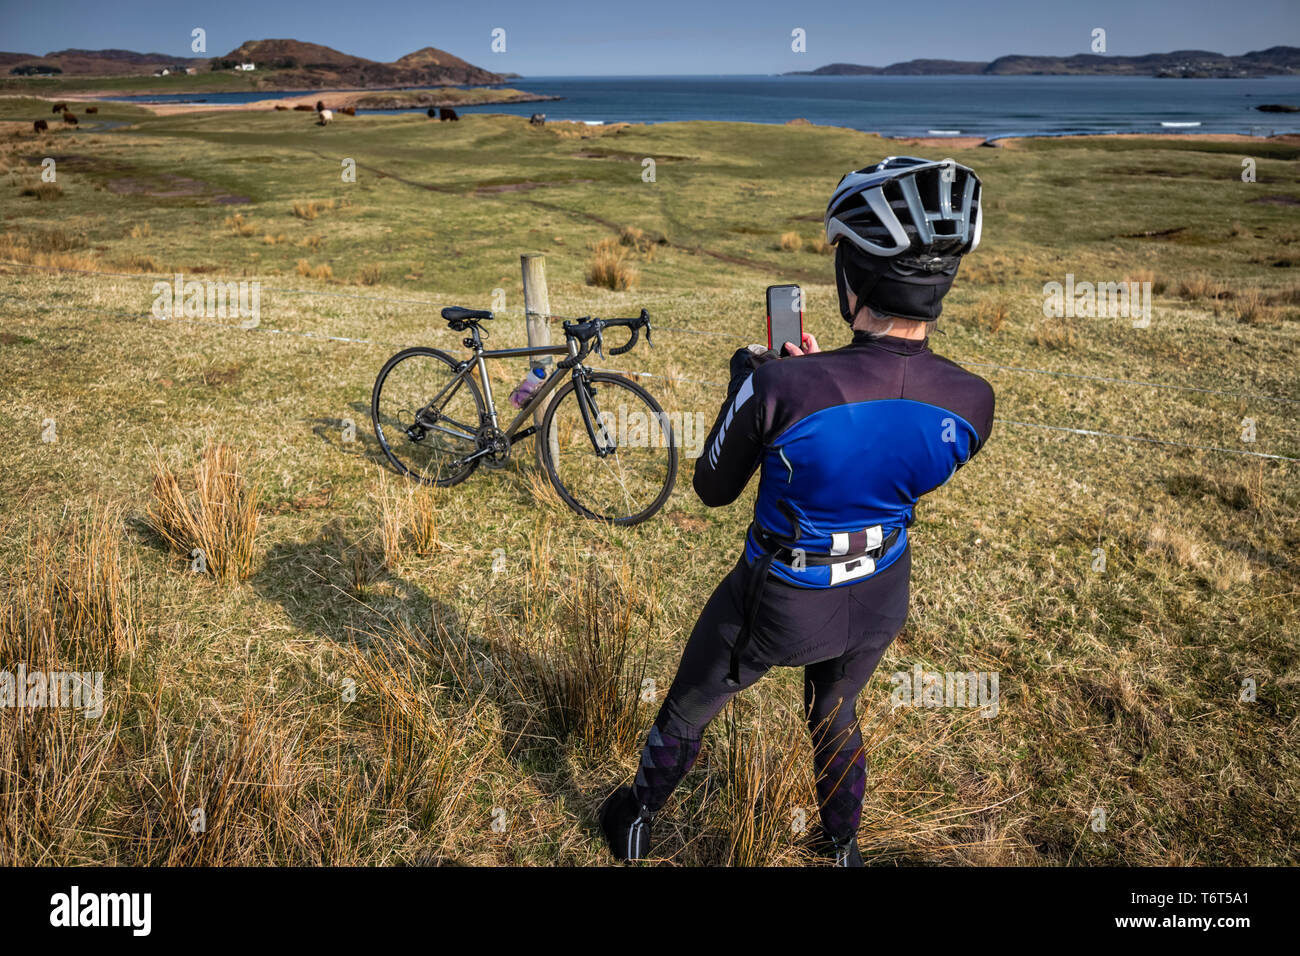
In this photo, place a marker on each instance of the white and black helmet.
(921, 213)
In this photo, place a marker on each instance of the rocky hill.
(278, 63)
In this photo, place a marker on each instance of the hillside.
(101, 62)
(280, 63)
(1275, 61)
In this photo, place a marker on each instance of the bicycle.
(441, 440)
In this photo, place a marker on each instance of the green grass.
(220, 81)
(1119, 690)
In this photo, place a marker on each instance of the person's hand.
(809, 343)
(749, 358)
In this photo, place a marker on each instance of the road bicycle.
(604, 442)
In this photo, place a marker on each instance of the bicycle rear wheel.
(426, 420)
(635, 476)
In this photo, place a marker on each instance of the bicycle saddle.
(456, 313)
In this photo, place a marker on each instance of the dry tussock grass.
(408, 518)
(574, 659)
(43, 191)
(30, 249)
(767, 801)
(1201, 285)
(610, 267)
(309, 209)
(219, 518)
(308, 271)
(240, 226)
(1141, 276)
(991, 313)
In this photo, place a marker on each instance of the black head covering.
(910, 287)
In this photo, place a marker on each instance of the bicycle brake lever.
(600, 343)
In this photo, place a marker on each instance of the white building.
(246, 67)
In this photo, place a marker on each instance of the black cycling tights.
(837, 635)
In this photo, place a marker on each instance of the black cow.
(40, 126)
(445, 114)
(537, 119)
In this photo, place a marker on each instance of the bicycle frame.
(479, 362)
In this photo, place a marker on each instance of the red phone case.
(798, 340)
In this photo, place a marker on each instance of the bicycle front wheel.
(608, 449)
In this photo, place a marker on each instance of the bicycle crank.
(493, 447)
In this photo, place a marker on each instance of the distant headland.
(254, 65)
(1187, 64)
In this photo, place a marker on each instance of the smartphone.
(784, 316)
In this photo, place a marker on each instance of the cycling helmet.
(900, 228)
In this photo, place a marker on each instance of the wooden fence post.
(537, 315)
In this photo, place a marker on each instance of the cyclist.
(846, 441)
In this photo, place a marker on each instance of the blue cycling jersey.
(847, 442)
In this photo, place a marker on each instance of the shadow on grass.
(352, 435)
(337, 586)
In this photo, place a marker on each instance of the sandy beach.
(333, 99)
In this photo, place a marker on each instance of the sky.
(580, 37)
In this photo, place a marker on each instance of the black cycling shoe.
(847, 852)
(626, 825)
(843, 852)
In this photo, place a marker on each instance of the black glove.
(744, 362)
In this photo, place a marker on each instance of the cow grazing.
(60, 108)
(537, 119)
(69, 119)
(40, 126)
(349, 111)
(326, 116)
(304, 108)
(445, 114)
(281, 106)
(92, 109)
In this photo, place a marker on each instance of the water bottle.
(524, 390)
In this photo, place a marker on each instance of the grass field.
(391, 676)
(216, 81)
